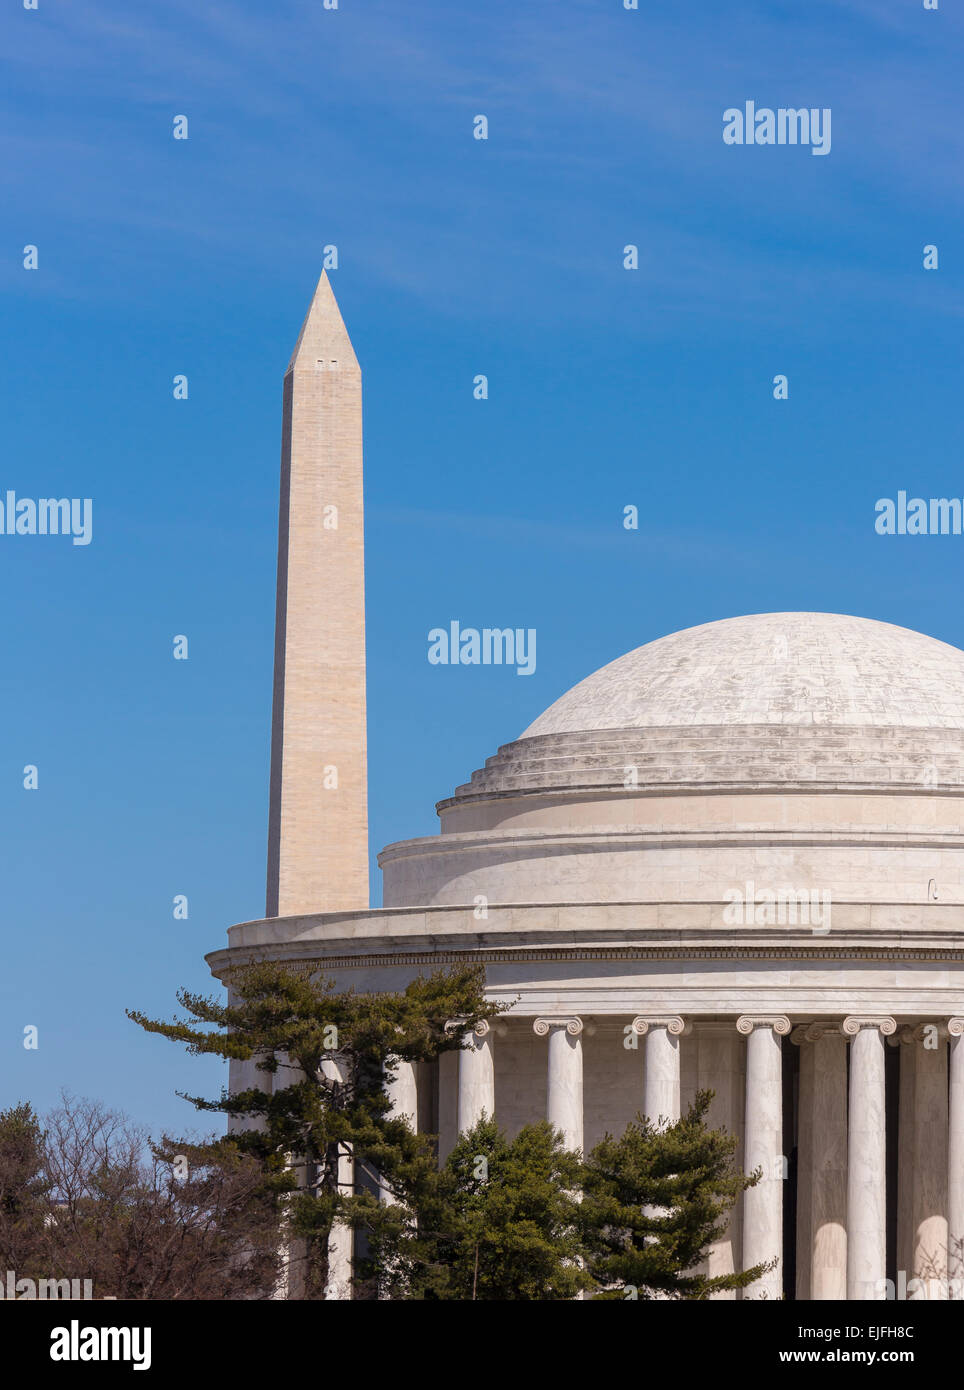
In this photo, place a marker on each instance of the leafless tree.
(141, 1221)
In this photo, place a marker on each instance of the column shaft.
(253, 1078)
(476, 1078)
(341, 1244)
(661, 1066)
(763, 1149)
(866, 1164)
(564, 1089)
(661, 1085)
(402, 1091)
(291, 1280)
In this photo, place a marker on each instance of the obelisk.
(318, 821)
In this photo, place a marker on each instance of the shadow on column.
(892, 1132)
(791, 1110)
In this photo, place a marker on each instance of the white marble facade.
(732, 859)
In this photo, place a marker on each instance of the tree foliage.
(326, 1057)
(500, 1223)
(655, 1200)
(24, 1186)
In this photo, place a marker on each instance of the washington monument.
(318, 820)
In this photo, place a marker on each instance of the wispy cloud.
(605, 128)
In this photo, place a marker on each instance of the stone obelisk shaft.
(318, 822)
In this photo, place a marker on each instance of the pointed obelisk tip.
(323, 336)
(323, 287)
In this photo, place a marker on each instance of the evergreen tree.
(326, 1057)
(655, 1200)
(24, 1188)
(502, 1223)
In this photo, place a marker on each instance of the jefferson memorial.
(730, 859)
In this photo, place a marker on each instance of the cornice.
(316, 953)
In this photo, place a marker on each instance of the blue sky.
(456, 257)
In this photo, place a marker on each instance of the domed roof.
(771, 668)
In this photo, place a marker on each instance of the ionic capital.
(671, 1022)
(853, 1024)
(480, 1030)
(955, 1027)
(571, 1022)
(778, 1022)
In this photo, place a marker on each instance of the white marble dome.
(771, 668)
(831, 745)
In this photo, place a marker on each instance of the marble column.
(661, 1089)
(239, 1074)
(866, 1160)
(955, 1161)
(341, 1239)
(763, 1148)
(253, 1078)
(822, 1163)
(294, 1251)
(245, 1075)
(476, 1077)
(564, 1090)
(402, 1090)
